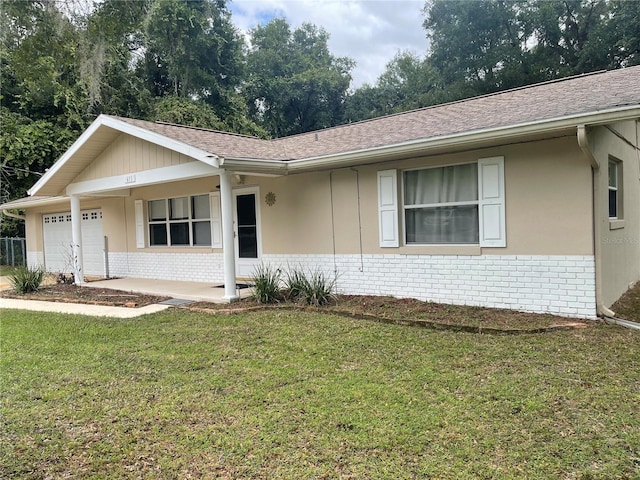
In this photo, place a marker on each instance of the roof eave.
(465, 139)
(425, 146)
(27, 202)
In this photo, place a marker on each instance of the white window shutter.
(491, 198)
(139, 216)
(388, 208)
(216, 220)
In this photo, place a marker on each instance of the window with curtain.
(441, 205)
(180, 221)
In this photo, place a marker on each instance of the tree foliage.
(293, 83)
(192, 49)
(498, 44)
(479, 47)
(408, 82)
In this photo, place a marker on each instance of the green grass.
(6, 270)
(298, 395)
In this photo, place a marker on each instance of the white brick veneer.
(35, 259)
(186, 267)
(562, 285)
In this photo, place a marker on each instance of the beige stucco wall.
(548, 205)
(619, 240)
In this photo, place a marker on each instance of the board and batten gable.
(129, 154)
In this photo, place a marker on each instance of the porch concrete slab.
(79, 309)
(196, 291)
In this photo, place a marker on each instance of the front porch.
(196, 291)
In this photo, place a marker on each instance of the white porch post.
(228, 244)
(76, 240)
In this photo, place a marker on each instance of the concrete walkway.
(79, 309)
(196, 291)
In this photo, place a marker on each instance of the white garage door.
(57, 242)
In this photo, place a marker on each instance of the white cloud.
(370, 32)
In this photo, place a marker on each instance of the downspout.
(583, 143)
(7, 213)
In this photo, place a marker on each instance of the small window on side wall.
(615, 190)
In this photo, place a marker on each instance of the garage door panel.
(58, 242)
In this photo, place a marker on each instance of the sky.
(370, 32)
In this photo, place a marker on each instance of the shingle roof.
(573, 96)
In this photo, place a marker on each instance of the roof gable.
(101, 133)
(128, 154)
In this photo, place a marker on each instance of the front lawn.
(285, 394)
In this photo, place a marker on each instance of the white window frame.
(167, 221)
(404, 207)
(615, 188)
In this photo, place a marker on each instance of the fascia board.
(271, 167)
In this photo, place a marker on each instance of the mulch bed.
(375, 308)
(409, 311)
(87, 295)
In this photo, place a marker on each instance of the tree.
(480, 43)
(111, 45)
(624, 32)
(196, 113)
(408, 82)
(27, 148)
(498, 44)
(294, 84)
(192, 50)
(570, 37)
(38, 50)
(43, 103)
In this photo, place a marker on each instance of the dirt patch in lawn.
(87, 295)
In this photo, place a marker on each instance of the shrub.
(27, 280)
(313, 289)
(295, 283)
(266, 284)
(319, 290)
